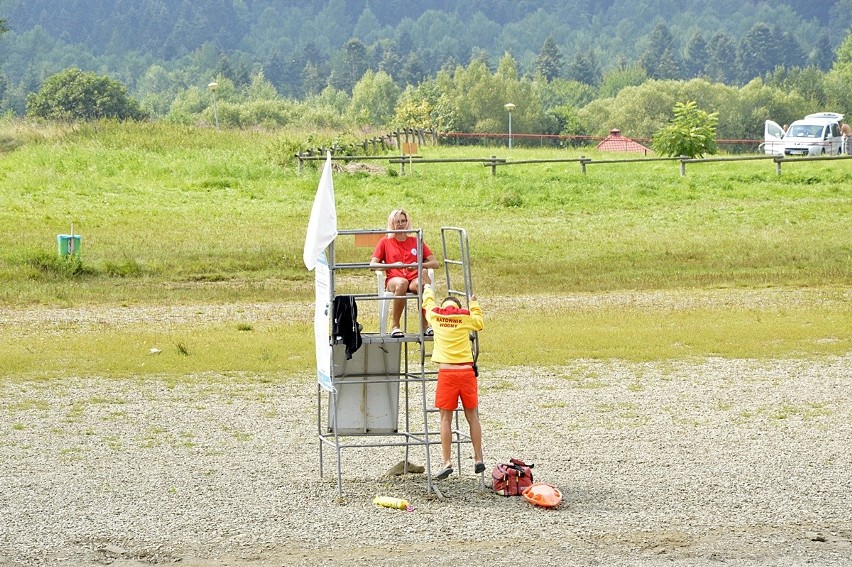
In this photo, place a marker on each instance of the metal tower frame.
(363, 408)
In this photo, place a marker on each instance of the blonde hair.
(392, 217)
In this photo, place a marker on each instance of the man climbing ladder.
(453, 350)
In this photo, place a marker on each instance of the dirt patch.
(357, 167)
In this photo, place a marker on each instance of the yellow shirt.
(452, 327)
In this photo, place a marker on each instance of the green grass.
(813, 329)
(817, 327)
(173, 215)
(173, 206)
(126, 351)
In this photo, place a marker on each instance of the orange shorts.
(455, 383)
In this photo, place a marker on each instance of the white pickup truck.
(815, 134)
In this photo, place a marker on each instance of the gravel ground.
(713, 462)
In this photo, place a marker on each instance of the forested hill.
(451, 28)
(358, 61)
(284, 37)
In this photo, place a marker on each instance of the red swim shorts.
(455, 383)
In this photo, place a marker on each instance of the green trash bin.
(69, 244)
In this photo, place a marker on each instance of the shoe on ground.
(479, 468)
(444, 473)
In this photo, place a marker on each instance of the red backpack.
(510, 479)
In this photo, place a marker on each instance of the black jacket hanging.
(345, 326)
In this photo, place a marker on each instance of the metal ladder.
(455, 270)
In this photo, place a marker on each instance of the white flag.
(322, 228)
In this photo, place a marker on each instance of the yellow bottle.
(390, 502)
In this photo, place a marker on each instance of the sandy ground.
(737, 462)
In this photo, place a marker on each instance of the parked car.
(815, 134)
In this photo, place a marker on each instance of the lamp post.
(213, 86)
(510, 107)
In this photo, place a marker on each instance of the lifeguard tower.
(382, 394)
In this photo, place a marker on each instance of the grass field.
(178, 216)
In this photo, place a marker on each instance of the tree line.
(434, 67)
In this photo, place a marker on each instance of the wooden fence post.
(583, 161)
(683, 166)
(777, 161)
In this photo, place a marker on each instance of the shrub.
(75, 95)
(691, 133)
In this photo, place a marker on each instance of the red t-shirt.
(391, 251)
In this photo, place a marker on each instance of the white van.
(815, 134)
